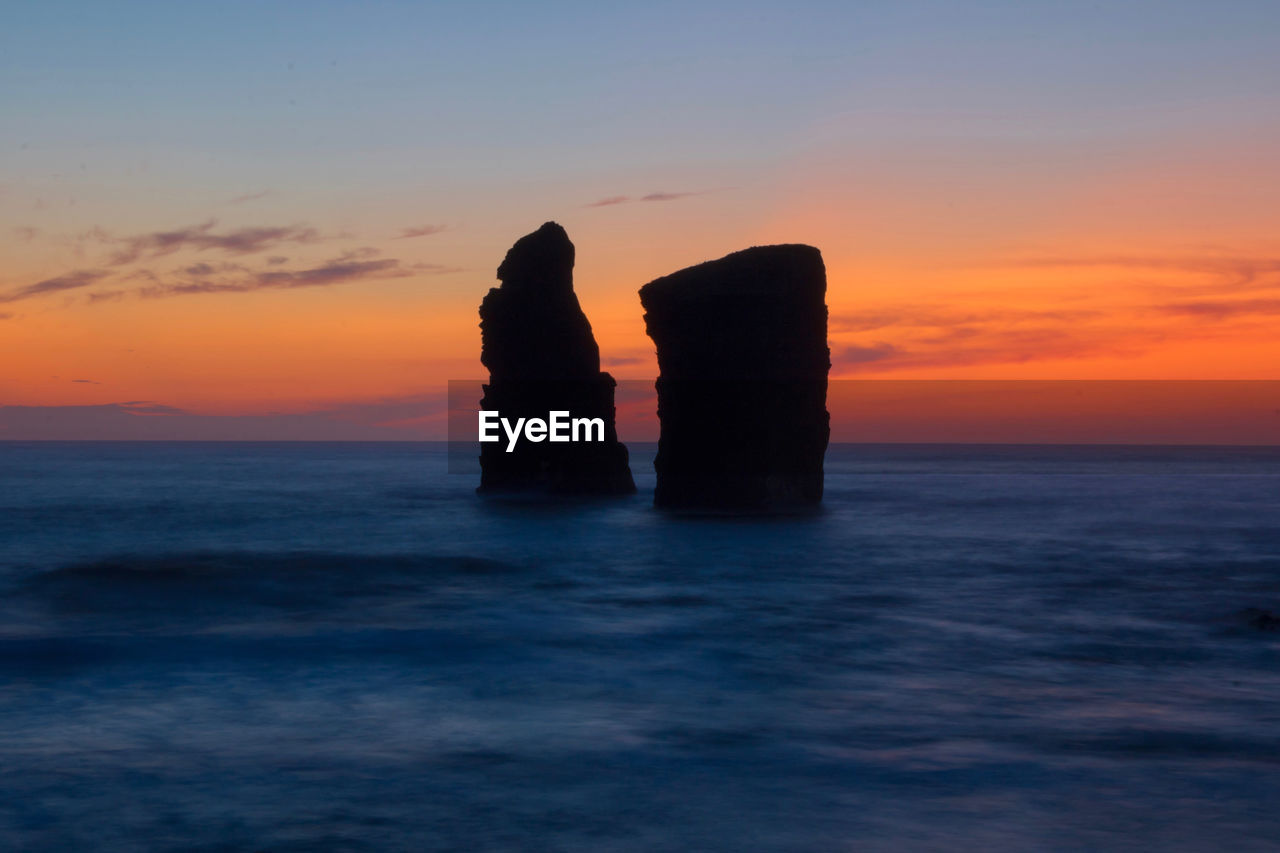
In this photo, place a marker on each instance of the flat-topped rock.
(743, 362)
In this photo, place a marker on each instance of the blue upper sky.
(536, 88)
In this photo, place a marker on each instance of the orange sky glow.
(967, 235)
(1104, 278)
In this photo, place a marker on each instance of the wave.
(206, 590)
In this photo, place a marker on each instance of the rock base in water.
(542, 357)
(743, 363)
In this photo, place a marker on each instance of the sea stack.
(542, 358)
(742, 385)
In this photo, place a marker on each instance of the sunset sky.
(285, 214)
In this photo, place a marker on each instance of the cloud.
(85, 382)
(421, 231)
(6, 316)
(26, 233)
(923, 336)
(149, 407)
(241, 199)
(1223, 310)
(657, 196)
(69, 281)
(388, 411)
(355, 265)
(414, 416)
(863, 355)
(241, 241)
(1000, 346)
(1234, 272)
(667, 196)
(332, 272)
(434, 269)
(360, 253)
(910, 316)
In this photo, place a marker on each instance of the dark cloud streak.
(866, 354)
(1224, 310)
(1240, 272)
(413, 416)
(337, 271)
(70, 281)
(360, 264)
(420, 231)
(935, 318)
(667, 196)
(202, 237)
(656, 196)
(247, 197)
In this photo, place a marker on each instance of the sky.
(281, 217)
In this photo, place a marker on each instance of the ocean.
(340, 647)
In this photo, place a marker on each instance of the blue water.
(340, 647)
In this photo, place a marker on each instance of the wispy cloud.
(6, 316)
(914, 336)
(865, 354)
(1233, 272)
(84, 382)
(205, 269)
(203, 237)
(660, 196)
(247, 197)
(359, 264)
(413, 416)
(330, 273)
(655, 196)
(1006, 346)
(434, 269)
(69, 281)
(915, 316)
(420, 231)
(388, 411)
(26, 233)
(355, 265)
(1224, 310)
(149, 407)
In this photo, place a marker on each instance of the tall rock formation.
(542, 357)
(743, 362)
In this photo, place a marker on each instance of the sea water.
(341, 647)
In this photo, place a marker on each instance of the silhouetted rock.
(542, 357)
(743, 362)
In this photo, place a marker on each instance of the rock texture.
(541, 356)
(743, 363)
